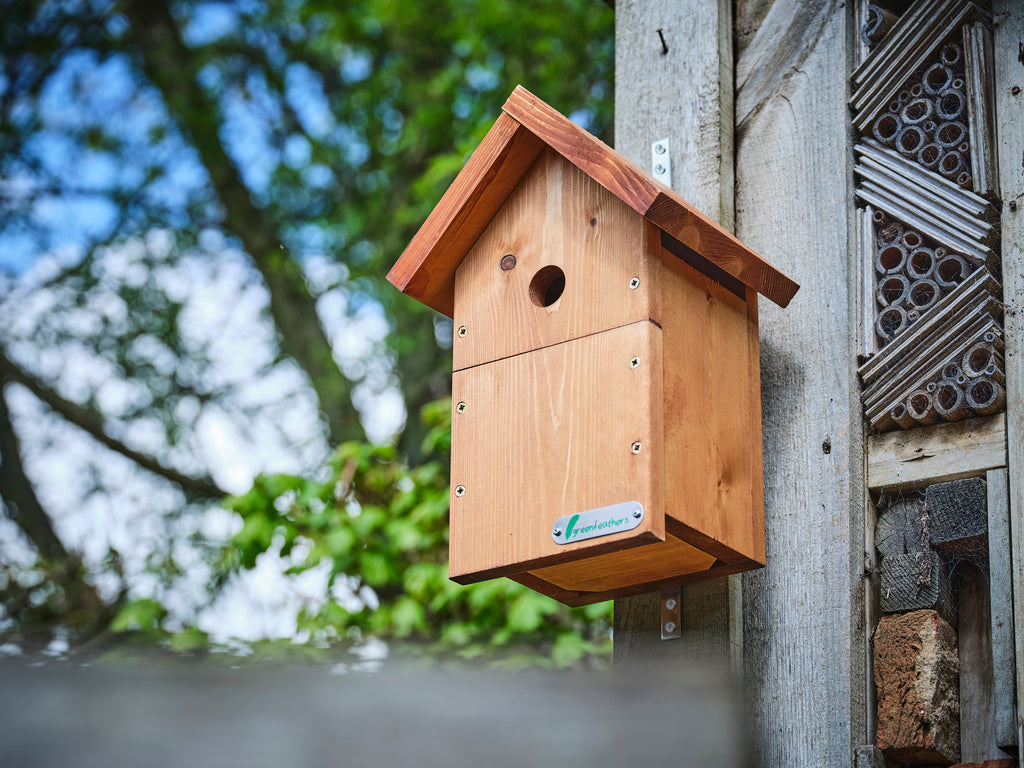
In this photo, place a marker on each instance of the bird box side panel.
(551, 433)
(714, 482)
(561, 259)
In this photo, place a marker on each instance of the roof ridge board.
(665, 208)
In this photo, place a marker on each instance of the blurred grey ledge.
(196, 716)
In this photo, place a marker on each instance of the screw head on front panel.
(460, 490)
(637, 514)
(635, 447)
(634, 362)
(462, 331)
(461, 407)
(634, 283)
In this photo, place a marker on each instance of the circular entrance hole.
(547, 286)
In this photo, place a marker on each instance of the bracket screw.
(670, 626)
(670, 604)
(659, 169)
(659, 148)
(460, 490)
(637, 514)
(634, 362)
(557, 531)
(635, 448)
(634, 283)
(461, 407)
(462, 331)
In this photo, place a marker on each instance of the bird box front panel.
(552, 433)
(562, 258)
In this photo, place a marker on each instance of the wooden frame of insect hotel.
(606, 426)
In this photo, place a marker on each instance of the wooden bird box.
(606, 433)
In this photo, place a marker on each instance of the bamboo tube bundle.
(949, 400)
(923, 294)
(919, 408)
(891, 322)
(893, 290)
(879, 22)
(985, 396)
(921, 263)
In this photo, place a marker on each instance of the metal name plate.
(603, 521)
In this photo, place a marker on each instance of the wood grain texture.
(550, 433)
(684, 95)
(426, 268)
(1000, 595)
(914, 458)
(712, 428)
(659, 204)
(804, 650)
(977, 702)
(556, 216)
(1008, 16)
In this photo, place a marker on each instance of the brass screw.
(462, 331)
(461, 407)
(634, 362)
(635, 447)
(460, 490)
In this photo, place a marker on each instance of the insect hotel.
(606, 433)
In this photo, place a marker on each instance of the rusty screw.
(461, 407)
(462, 331)
(460, 490)
(508, 261)
(1013, 205)
(635, 448)
(1015, 90)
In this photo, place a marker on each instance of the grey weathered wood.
(1008, 16)
(977, 703)
(686, 96)
(1000, 606)
(913, 581)
(898, 529)
(958, 514)
(868, 756)
(804, 650)
(913, 458)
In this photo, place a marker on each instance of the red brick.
(917, 684)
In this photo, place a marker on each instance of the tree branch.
(169, 64)
(92, 423)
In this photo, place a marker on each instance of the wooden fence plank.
(1008, 16)
(804, 652)
(1001, 605)
(685, 95)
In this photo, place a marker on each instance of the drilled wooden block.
(958, 514)
(914, 581)
(898, 530)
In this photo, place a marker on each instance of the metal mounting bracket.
(671, 613)
(661, 162)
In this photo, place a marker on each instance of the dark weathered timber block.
(914, 581)
(959, 516)
(899, 527)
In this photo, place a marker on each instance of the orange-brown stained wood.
(617, 570)
(659, 204)
(713, 483)
(426, 268)
(557, 218)
(548, 433)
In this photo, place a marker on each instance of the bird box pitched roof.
(426, 269)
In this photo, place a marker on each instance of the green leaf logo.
(570, 526)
